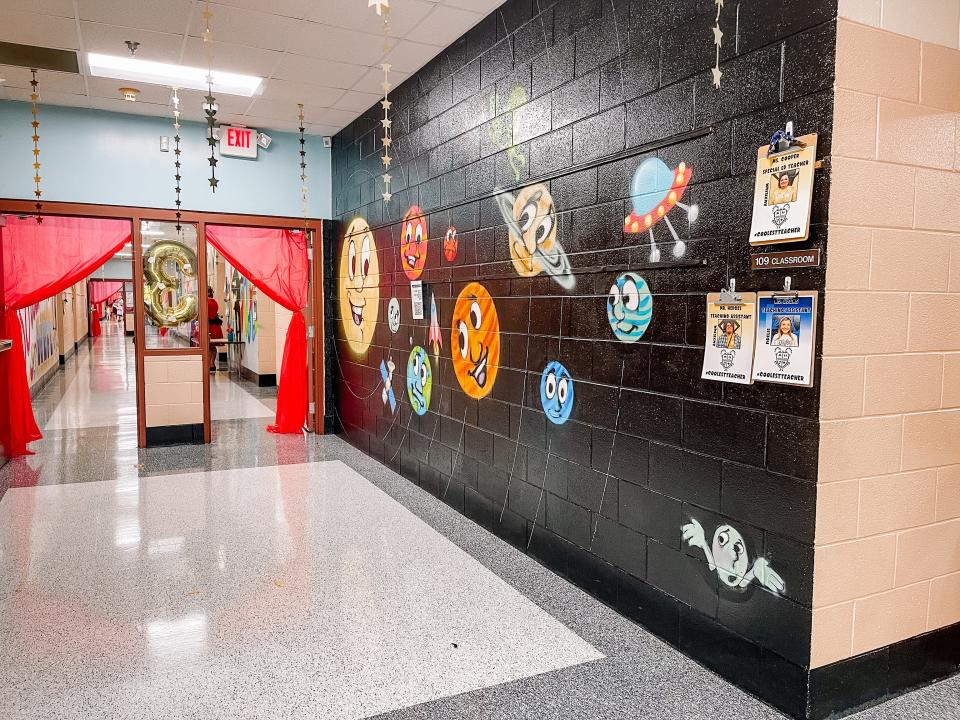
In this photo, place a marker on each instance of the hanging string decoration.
(383, 10)
(210, 102)
(176, 155)
(303, 168)
(35, 124)
(718, 41)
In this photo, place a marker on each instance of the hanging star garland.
(303, 168)
(718, 41)
(176, 155)
(35, 124)
(383, 9)
(210, 102)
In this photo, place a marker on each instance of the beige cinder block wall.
(173, 389)
(887, 556)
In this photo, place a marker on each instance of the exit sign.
(238, 141)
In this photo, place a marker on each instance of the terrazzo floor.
(269, 576)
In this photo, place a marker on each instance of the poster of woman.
(786, 339)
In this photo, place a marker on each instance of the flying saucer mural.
(655, 190)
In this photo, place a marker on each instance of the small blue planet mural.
(556, 393)
(419, 380)
(629, 307)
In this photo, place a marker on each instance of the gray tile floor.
(638, 676)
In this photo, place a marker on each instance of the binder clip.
(728, 295)
(787, 294)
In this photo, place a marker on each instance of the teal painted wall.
(92, 156)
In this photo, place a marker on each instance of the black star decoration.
(213, 183)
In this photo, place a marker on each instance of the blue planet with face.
(629, 307)
(419, 380)
(556, 393)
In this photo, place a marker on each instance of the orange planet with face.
(413, 243)
(475, 341)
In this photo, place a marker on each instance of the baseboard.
(175, 435)
(265, 380)
(44, 379)
(851, 685)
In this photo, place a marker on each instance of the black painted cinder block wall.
(575, 94)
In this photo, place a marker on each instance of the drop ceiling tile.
(409, 57)
(354, 14)
(444, 25)
(355, 101)
(109, 88)
(317, 129)
(232, 58)
(265, 124)
(49, 98)
(288, 8)
(334, 117)
(284, 92)
(19, 77)
(62, 8)
(193, 100)
(128, 108)
(246, 27)
(159, 15)
(370, 82)
(484, 7)
(111, 39)
(297, 68)
(333, 43)
(34, 29)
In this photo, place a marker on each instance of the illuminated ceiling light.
(181, 76)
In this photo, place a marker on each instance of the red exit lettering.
(238, 138)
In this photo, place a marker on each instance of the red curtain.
(102, 290)
(40, 260)
(275, 261)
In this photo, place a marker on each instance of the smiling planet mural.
(413, 243)
(475, 341)
(629, 307)
(556, 393)
(359, 276)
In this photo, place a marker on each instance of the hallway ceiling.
(324, 53)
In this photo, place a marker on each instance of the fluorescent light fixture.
(179, 76)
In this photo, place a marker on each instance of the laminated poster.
(731, 331)
(783, 193)
(786, 338)
(416, 298)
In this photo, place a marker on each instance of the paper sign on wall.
(416, 298)
(786, 338)
(731, 331)
(783, 193)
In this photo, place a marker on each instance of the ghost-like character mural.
(654, 191)
(556, 393)
(419, 380)
(359, 276)
(629, 307)
(728, 557)
(393, 315)
(531, 220)
(413, 243)
(475, 341)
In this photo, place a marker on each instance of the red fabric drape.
(40, 260)
(276, 262)
(101, 290)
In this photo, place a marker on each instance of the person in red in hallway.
(216, 326)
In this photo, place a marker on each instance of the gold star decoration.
(383, 9)
(35, 137)
(382, 6)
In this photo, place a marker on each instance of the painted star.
(716, 76)
(717, 35)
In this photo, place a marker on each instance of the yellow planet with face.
(359, 277)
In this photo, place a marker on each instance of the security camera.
(264, 140)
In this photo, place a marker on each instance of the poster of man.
(731, 328)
